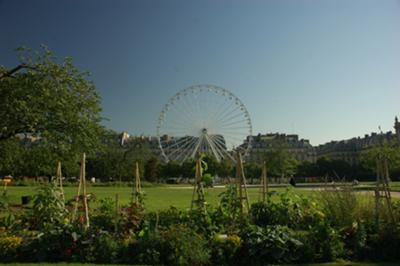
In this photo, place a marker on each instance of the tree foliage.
(389, 150)
(51, 99)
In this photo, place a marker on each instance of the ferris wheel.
(203, 119)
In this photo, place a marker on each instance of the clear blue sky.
(323, 69)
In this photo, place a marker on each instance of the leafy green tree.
(252, 171)
(279, 161)
(171, 169)
(188, 168)
(388, 149)
(212, 163)
(11, 152)
(116, 161)
(152, 169)
(307, 169)
(50, 99)
(225, 168)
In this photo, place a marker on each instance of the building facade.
(350, 150)
(299, 149)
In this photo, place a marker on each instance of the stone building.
(349, 150)
(300, 149)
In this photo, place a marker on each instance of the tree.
(279, 161)
(10, 156)
(252, 170)
(114, 160)
(171, 169)
(52, 100)
(152, 169)
(388, 149)
(188, 168)
(307, 169)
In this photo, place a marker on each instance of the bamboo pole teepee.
(137, 188)
(382, 190)
(198, 187)
(59, 181)
(242, 186)
(264, 183)
(83, 197)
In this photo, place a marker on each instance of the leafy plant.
(291, 210)
(208, 180)
(228, 213)
(272, 244)
(9, 246)
(48, 210)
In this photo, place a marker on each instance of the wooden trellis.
(382, 190)
(264, 183)
(82, 198)
(59, 181)
(137, 188)
(241, 185)
(198, 189)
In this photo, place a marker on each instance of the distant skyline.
(325, 70)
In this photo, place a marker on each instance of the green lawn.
(156, 198)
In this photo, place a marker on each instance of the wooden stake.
(137, 187)
(85, 204)
(264, 182)
(59, 180)
(382, 189)
(82, 185)
(242, 186)
(198, 186)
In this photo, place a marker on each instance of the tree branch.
(14, 70)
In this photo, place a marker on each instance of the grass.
(156, 197)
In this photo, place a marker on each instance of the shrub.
(384, 245)
(102, 247)
(176, 245)
(224, 249)
(272, 244)
(291, 210)
(326, 241)
(341, 206)
(48, 210)
(208, 180)
(104, 216)
(228, 214)
(58, 244)
(3, 202)
(9, 246)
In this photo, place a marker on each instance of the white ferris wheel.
(204, 119)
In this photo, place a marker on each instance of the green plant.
(228, 213)
(102, 247)
(327, 243)
(271, 244)
(341, 206)
(48, 208)
(105, 216)
(176, 245)
(291, 210)
(182, 246)
(224, 249)
(9, 246)
(55, 244)
(3, 202)
(207, 180)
